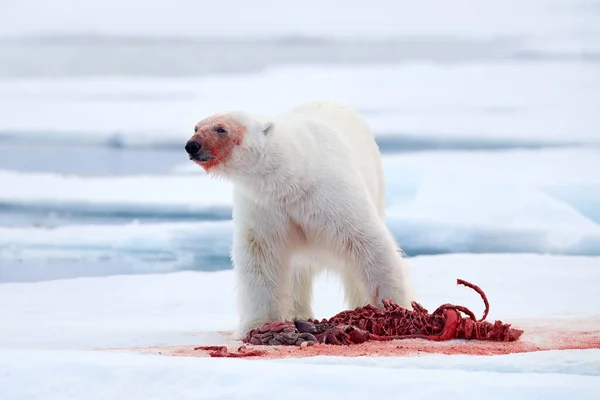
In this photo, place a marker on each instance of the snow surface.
(545, 19)
(54, 337)
(43, 374)
(477, 103)
(108, 193)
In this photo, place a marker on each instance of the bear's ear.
(267, 127)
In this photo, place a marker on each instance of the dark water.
(88, 160)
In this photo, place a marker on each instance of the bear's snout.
(193, 147)
(213, 141)
(197, 152)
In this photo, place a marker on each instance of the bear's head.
(228, 143)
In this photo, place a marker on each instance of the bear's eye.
(195, 129)
(218, 129)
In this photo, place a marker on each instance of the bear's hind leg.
(302, 287)
(355, 293)
(373, 254)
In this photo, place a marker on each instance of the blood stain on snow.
(540, 335)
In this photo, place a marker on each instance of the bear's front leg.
(262, 268)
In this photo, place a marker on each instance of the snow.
(84, 318)
(43, 374)
(152, 377)
(548, 362)
(378, 18)
(476, 103)
(117, 194)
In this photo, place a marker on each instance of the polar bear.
(309, 195)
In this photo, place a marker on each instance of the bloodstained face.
(214, 139)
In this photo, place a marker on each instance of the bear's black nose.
(192, 147)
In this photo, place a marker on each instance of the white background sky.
(317, 17)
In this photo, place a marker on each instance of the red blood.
(222, 351)
(219, 145)
(540, 335)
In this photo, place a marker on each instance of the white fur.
(309, 195)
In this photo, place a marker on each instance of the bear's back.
(354, 129)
